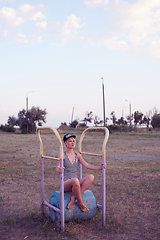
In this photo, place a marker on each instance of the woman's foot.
(71, 203)
(82, 207)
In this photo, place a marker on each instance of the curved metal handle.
(57, 135)
(104, 141)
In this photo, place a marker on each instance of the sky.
(58, 54)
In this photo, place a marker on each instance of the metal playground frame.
(103, 155)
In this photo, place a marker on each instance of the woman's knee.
(91, 177)
(70, 183)
(75, 182)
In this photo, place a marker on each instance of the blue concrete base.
(75, 213)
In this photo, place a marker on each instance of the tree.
(12, 121)
(88, 117)
(113, 118)
(36, 115)
(145, 120)
(155, 122)
(74, 124)
(137, 117)
(121, 121)
(27, 120)
(63, 124)
(129, 119)
(97, 121)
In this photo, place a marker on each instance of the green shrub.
(7, 128)
(113, 128)
(156, 121)
(122, 128)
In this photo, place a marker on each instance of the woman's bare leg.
(78, 187)
(86, 182)
(74, 186)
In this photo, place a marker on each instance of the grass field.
(132, 186)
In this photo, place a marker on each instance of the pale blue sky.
(61, 49)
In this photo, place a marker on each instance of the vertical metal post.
(72, 115)
(104, 115)
(130, 113)
(80, 171)
(27, 104)
(61, 175)
(27, 111)
(62, 196)
(27, 107)
(42, 185)
(103, 192)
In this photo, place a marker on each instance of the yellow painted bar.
(92, 154)
(51, 158)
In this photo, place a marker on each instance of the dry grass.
(132, 181)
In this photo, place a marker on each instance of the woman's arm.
(58, 168)
(87, 165)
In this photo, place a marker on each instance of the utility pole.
(104, 115)
(73, 113)
(129, 112)
(27, 107)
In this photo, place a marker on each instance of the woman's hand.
(60, 170)
(103, 165)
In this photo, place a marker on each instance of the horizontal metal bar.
(51, 158)
(92, 154)
(99, 206)
(53, 207)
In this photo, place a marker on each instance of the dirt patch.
(132, 182)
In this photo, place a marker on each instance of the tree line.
(150, 119)
(28, 121)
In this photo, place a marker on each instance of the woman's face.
(70, 142)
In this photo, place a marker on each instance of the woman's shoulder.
(77, 153)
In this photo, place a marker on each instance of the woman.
(71, 182)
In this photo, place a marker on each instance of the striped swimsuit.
(70, 170)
